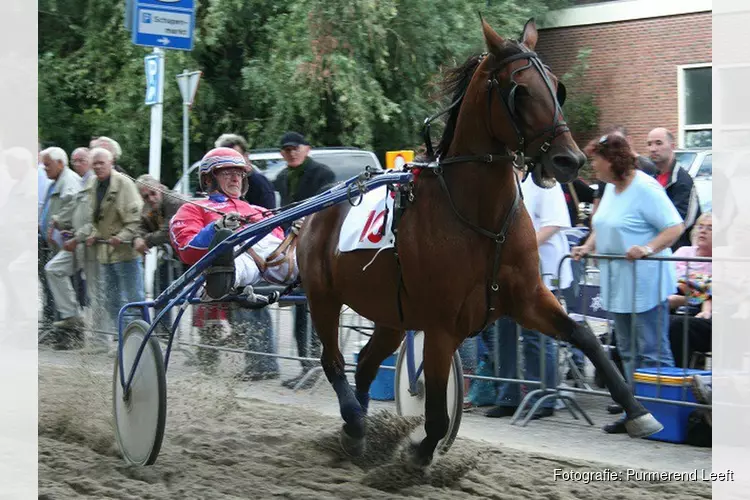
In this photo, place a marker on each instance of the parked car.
(699, 164)
(345, 163)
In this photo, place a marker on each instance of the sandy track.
(219, 447)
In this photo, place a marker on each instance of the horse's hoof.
(352, 446)
(643, 426)
(416, 459)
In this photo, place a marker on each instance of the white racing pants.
(247, 271)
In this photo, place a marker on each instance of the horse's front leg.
(439, 347)
(324, 311)
(546, 315)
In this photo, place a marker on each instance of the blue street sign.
(153, 92)
(167, 24)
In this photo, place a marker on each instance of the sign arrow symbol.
(163, 40)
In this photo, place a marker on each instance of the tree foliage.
(581, 111)
(344, 72)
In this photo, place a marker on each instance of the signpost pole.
(185, 152)
(157, 111)
(154, 159)
(188, 83)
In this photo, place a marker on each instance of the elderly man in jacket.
(303, 178)
(160, 204)
(85, 257)
(56, 224)
(116, 217)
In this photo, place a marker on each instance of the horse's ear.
(530, 35)
(491, 38)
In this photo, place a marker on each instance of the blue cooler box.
(674, 418)
(383, 387)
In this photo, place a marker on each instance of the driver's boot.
(220, 275)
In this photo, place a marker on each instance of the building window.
(694, 84)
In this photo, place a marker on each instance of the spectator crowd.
(96, 223)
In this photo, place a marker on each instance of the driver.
(195, 230)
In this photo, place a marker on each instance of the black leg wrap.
(220, 276)
(585, 340)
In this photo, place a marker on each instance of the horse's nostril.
(565, 162)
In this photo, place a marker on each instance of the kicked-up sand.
(217, 446)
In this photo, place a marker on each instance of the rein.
(517, 158)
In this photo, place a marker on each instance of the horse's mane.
(455, 83)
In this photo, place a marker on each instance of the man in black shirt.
(577, 192)
(304, 177)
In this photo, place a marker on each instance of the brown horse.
(453, 270)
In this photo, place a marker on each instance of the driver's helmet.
(219, 158)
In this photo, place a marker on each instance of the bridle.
(518, 157)
(508, 98)
(507, 95)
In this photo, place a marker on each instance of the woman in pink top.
(701, 247)
(694, 278)
(694, 300)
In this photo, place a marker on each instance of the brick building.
(650, 63)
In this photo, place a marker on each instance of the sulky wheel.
(408, 404)
(140, 414)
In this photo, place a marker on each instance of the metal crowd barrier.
(584, 305)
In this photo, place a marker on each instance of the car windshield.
(344, 165)
(684, 159)
(706, 169)
(270, 167)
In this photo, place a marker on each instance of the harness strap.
(478, 229)
(499, 238)
(494, 287)
(399, 287)
(488, 158)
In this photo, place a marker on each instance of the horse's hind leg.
(545, 314)
(325, 312)
(383, 343)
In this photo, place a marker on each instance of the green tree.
(581, 111)
(344, 72)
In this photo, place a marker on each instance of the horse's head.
(525, 101)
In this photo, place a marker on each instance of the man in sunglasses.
(200, 226)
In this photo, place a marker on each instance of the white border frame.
(719, 126)
(681, 127)
(622, 10)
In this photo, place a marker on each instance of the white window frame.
(681, 126)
